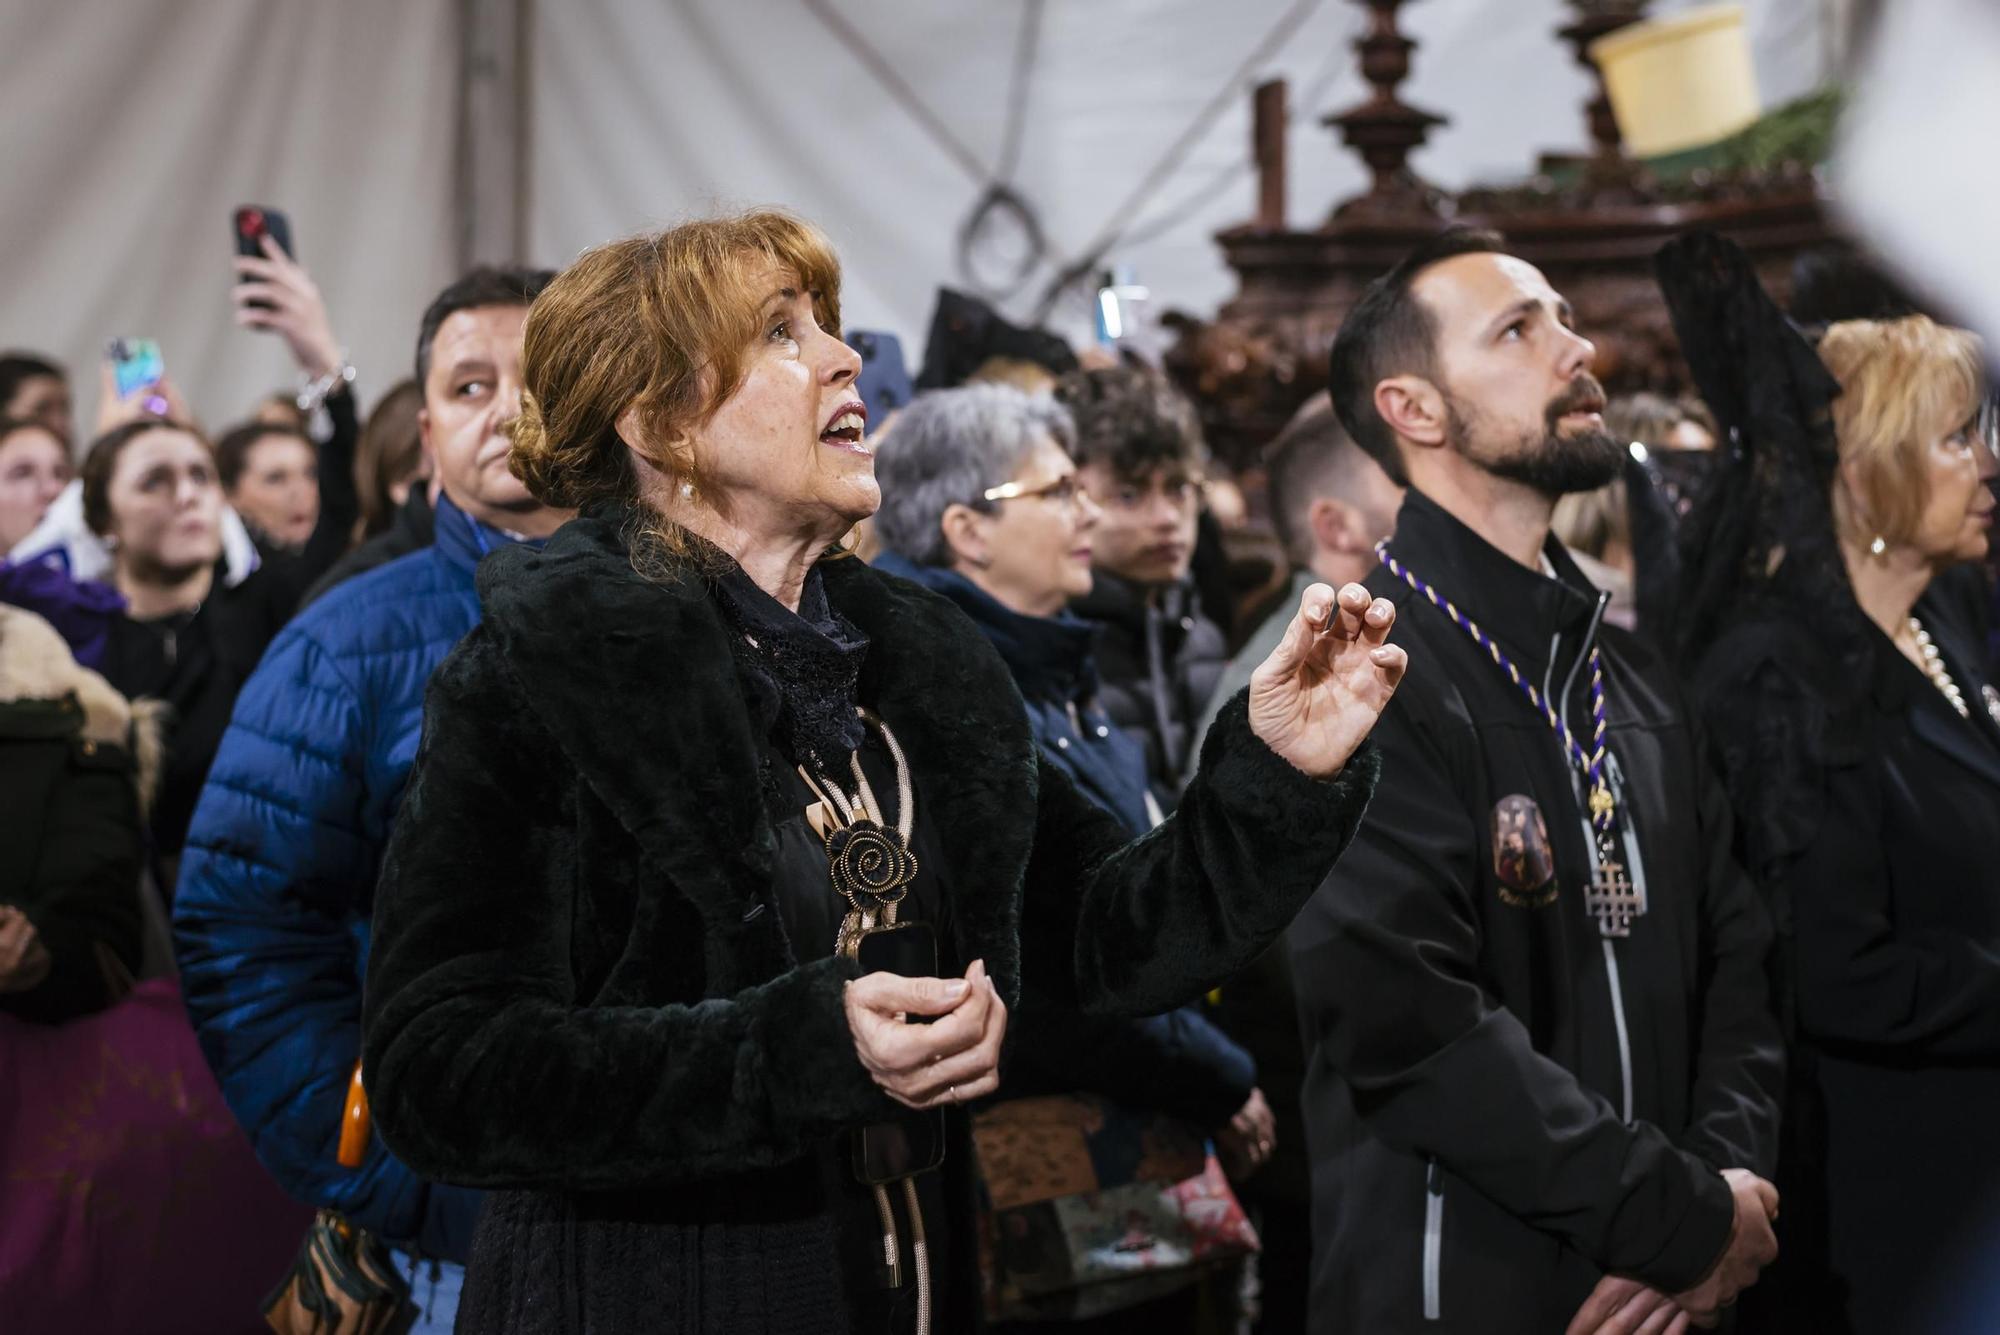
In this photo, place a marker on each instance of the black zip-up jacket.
(1501, 1104)
(1159, 658)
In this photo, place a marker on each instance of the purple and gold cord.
(1603, 806)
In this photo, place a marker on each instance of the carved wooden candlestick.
(1385, 130)
(1593, 232)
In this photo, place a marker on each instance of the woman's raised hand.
(1314, 700)
(273, 292)
(953, 1059)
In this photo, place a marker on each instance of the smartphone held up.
(136, 365)
(250, 224)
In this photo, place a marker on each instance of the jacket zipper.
(1618, 1019)
(1433, 1240)
(1635, 870)
(1614, 981)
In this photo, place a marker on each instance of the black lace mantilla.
(807, 663)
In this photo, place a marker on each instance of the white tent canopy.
(405, 138)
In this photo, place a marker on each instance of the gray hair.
(948, 447)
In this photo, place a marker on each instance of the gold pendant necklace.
(868, 859)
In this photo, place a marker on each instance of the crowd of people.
(521, 824)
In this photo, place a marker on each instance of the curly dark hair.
(1132, 420)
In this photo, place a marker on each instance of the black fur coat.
(580, 995)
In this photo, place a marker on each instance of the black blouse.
(799, 672)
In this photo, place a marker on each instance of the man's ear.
(1413, 408)
(1336, 527)
(965, 533)
(423, 442)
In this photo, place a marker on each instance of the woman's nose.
(1088, 512)
(843, 363)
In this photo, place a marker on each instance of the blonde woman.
(1861, 741)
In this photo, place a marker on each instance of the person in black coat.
(187, 635)
(70, 819)
(1861, 746)
(413, 528)
(1568, 1116)
(1140, 451)
(699, 817)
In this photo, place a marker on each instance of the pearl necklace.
(1935, 669)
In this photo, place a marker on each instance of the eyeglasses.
(1064, 491)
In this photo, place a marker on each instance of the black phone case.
(250, 224)
(914, 1142)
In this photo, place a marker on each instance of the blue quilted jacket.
(278, 881)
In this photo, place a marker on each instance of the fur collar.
(635, 681)
(36, 665)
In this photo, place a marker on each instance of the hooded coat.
(579, 998)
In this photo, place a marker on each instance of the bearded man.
(1542, 1073)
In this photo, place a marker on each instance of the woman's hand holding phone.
(160, 399)
(954, 1059)
(273, 291)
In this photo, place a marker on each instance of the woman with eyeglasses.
(982, 504)
(1860, 741)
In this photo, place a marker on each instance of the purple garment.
(82, 611)
(132, 1202)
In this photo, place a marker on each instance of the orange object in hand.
(354, 1123)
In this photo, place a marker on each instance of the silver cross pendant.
(1613, 900)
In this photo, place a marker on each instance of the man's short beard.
(1551, 462)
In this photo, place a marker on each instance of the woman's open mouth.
(847, 430)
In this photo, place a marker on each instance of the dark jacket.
(69, 821)
(577, 996)
(411, 530)
(1178, 1063)
(197, 664)
(271, 921)
(1502, 1105)
(1159, 660)
(1871, 811)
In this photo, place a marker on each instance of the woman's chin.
(857, 497)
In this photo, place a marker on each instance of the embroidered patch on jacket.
(1523, 862)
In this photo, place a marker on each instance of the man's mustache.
(1584, 395)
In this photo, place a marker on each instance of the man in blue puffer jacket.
(271, 916)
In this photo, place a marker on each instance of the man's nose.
(1579, 354)
(507, 401)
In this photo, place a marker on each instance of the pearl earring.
(1879, 547)
(687, 491)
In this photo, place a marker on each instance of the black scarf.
(805, 664)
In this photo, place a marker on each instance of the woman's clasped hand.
(953, 1059)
